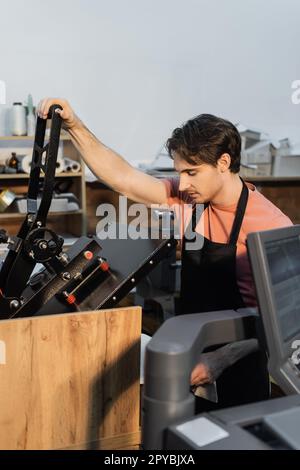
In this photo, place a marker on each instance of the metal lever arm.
(18, 266)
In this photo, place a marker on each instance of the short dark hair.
(204, 139)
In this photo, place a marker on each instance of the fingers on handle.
(45, 104)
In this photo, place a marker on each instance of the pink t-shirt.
(217, 220)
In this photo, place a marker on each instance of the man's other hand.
(200, 375)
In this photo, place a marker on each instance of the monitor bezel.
(264, 290)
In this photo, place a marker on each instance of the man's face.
(202, 182)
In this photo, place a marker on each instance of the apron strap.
(194, 213)
(239, 216)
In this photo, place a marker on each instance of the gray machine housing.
(168, 406)
(271, 424)
(170, 357)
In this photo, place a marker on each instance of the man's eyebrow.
(186, 170)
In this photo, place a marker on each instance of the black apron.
(208, 283)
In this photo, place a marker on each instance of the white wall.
(135, 69)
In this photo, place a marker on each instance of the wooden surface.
(130, 441)
(71, 381)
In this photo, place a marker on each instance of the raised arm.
(104, 162)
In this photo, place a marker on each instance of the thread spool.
(18, 119)
(71, 165)
(23, 164)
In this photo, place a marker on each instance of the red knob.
(104, 266)
(88, 255)
(71, 299)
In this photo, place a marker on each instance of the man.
(206, 153)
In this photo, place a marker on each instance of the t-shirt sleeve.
(174, 196)
(262, 215)
(172, 185)
(275, 219)
(281, 220)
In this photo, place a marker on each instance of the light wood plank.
(69, 379)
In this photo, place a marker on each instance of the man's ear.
(223, 162)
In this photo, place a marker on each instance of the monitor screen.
(283, 257)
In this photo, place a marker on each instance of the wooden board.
(70, 380)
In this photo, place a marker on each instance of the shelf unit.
(5, 138)
(22, 176)
(66, 222)
(17, 215)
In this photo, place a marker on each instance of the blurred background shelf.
(73, 222)
(20, 176)
(18, 215)
(28, 137)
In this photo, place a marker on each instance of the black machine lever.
(18, 265)
(3, 236)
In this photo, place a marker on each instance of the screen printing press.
(93, 274)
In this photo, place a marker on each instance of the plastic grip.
(52, 109)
